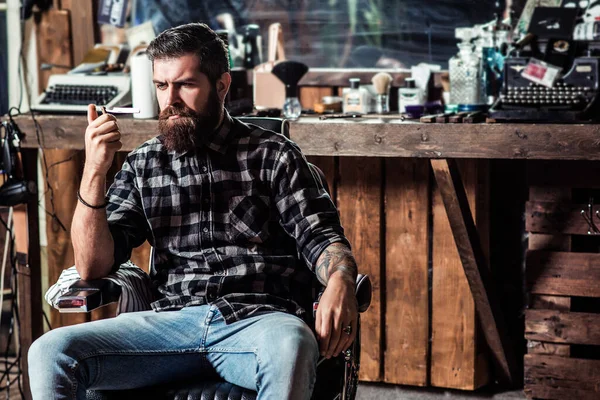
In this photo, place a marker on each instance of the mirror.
(335, 33)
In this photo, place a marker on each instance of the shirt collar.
(217, 140)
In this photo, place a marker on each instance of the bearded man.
(239, 226)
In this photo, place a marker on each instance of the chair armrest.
(364, 289)
(85, 296)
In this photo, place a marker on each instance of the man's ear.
(223, 84)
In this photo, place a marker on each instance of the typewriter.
(574, 96)
(71, 93)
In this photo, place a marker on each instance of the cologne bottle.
(355, 99)
(465, 76)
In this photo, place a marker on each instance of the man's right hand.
(102, 141)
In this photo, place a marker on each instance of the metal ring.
(348, 330)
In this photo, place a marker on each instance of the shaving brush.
(290, 73)
(381, 83)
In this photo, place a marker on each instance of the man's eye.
(160, 86)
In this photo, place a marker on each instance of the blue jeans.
(272, 353)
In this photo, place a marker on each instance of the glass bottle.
(292, 108)
(355, 99)
(465, 76)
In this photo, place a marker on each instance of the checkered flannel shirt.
(239, 222)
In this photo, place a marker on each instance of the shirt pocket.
(248, 219)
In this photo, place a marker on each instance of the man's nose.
(172, 96)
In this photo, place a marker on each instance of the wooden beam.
(53, 36)
(473, 260)
(458, 358)
(29, 272)
(82, 24)
(372, 137)
(406, 358)
(560, 217)
(553, 377)
(359, 202)
(562, 327)
(541, 190)
(563, 273)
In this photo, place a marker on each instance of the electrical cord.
(49, 188)
(14, 318)
(3, 268)
(38, 134)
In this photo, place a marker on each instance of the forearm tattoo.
(336, 257)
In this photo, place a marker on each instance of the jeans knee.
(301, 345)
(36, 351)
(51, 346)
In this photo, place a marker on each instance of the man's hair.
(194, 38)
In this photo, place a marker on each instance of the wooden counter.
(371, 137)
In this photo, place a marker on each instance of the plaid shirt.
(234, 223)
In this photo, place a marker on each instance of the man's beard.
(184, 133)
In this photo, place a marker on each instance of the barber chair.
(337, 378)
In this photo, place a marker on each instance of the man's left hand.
(337, 315)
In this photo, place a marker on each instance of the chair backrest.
(278, 125)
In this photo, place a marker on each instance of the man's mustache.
(174, 110)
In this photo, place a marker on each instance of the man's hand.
(102, 141)
(337, 310)
(337, 314)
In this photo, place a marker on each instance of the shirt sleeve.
(126, 219)
(306, 210)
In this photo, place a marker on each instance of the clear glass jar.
(292, 108)
(465, 76)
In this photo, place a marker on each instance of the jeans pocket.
(248, 219)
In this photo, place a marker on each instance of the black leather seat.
(337, 378)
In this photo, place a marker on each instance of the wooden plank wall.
(394, 217)
(456, 359)
(359, 202)
(407, 216)
(563, 281)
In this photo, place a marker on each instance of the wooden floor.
(13, 392)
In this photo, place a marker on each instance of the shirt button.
(204, 169)
(205, 230)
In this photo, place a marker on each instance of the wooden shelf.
(371, 137)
